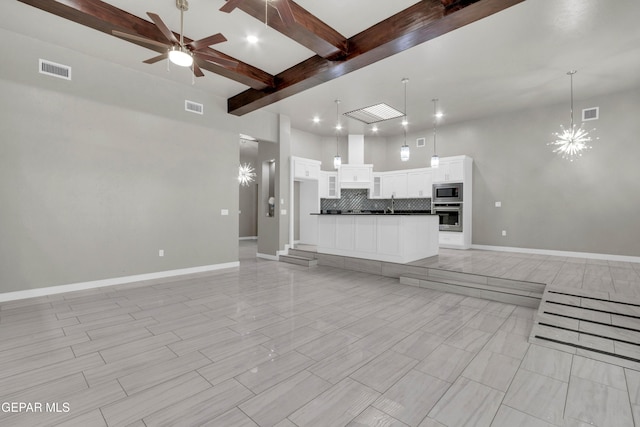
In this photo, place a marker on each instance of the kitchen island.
(399, 237)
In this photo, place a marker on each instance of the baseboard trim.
(248, 238)
(589, 255)
(267, 256)
(52, 290)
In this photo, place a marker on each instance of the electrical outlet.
(283, 211)
(498, 204)
(161, 252)
(504, 232)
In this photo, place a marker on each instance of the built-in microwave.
(447, 193)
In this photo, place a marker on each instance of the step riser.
(297, 261)
(461, 278)
(303, 254)
(525, 301)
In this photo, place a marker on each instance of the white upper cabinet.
(419, 183)
(328, 185)
(451, 169)
(305, 168)
(394, 184)
(376, 187)
(355, 176)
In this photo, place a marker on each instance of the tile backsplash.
(357, 200)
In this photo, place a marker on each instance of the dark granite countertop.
(336, 212)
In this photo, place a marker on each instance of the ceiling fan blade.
(196, 70)
(207, 41)
(156, 59)
(216, 59)
(138, 38)
(230, 5)
(163, 28)
(286, 14)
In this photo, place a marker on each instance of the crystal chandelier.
(435, 160)
(246, 174)
(404, 150)
(571, 142)
(337, 160)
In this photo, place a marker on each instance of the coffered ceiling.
(479, 57)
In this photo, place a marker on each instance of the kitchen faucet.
(393, 205)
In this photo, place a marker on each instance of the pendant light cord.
(406, 122)
(337, 124)
(435, 122)
(571, 73)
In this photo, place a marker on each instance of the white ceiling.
(515, 59)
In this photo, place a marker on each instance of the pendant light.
(572, 141)
(404, 150)
(337, 160)
(435, 160)
(246, 174)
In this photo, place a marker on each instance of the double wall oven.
(447, 204)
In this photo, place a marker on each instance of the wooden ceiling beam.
(415, 25)
(307, 30)
(104, 17)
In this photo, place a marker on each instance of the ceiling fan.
(282, 6)
(191, 54)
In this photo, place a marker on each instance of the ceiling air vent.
(590, 114)
(56, 70)
(193, 107)
(420, 142)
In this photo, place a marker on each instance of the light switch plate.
(224, 212)
(161, 252)
(283, 211)
(498, 204)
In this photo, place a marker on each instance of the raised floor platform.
(510, 291)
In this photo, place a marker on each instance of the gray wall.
(98, 174)
(283, 183)
(306, 145)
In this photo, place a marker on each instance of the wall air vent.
(590, 114)
(420, 142)
(56, 70)
(193, 107)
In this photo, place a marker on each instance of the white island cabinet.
(392, 238)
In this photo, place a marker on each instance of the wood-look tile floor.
(274, 344)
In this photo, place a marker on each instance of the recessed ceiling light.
(252, 39)
(316, 119)
(374, 129)
(439, 115)
(338, 126)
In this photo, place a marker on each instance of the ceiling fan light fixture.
(180, 56)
